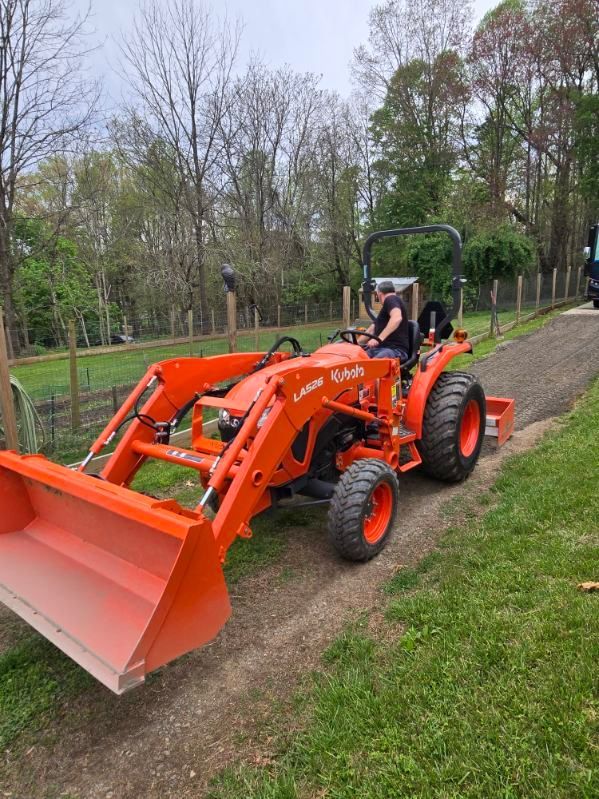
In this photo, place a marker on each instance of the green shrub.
(503, 252)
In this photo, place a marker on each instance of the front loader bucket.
(121, 582)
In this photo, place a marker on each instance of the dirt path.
(169, 737)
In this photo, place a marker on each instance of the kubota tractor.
(124, 583)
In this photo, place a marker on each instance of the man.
(391, 326)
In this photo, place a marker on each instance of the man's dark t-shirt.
(399, 337)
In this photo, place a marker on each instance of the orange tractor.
(124, 583)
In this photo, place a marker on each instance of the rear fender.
(424, 381)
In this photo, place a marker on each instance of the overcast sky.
(310, 35)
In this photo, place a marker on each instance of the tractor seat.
(415, 339)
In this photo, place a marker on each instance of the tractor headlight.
(224, 416)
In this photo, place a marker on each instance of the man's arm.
(393, 323)
(363, 339)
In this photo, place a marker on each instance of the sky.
(310, 35)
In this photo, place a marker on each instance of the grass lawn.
(482, 681)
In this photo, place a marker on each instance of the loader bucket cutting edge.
(121, 582)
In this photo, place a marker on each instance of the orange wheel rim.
(378, 513)
(470, 429)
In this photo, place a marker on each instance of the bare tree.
(180, 61)
(46, 103)
(402, 31)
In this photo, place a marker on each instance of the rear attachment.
(500, 419)
(121, 582)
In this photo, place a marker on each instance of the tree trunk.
(204, 309)
(6, 288)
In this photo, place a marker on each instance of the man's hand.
(372, 342)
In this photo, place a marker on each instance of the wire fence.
(76, 393)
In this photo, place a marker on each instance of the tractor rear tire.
(363, 509)
(453, 427)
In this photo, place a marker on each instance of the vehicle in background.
(591, 266)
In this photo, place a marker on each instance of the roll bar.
(457, 280)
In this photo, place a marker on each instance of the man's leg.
(384, 352)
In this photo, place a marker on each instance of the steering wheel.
(297, 350)
(352, 336)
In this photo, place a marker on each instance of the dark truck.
(591, 266)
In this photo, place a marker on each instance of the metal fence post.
(279, 317)
(461, 309)
(74, 378)
(232, 320)
(190, 329)
(519, 299)
(346, 306)
(9, 417)
(538, 297)
(553, 287)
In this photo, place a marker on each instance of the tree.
(402, 31)
(46, 104)
(180, 61)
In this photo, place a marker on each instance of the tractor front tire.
(453, 427)
(363, 509)
(596, 304)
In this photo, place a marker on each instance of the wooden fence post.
(74, 378)
(538, 297)
(567, 289)
(553, 287)
(305, 313)
(577, 292)
(126, 329)
(213, 322)
(415, 301)
(232, 320)
(279, 317)
(173, 335)
(346, 306)
(494, 321)
(9, 417)
(519, 299)
(331, 311)
(190, 330)
(256, 329)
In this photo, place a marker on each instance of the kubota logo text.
(311, 386)
(341, 375)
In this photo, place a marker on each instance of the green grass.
(484, 681)
(35, 679)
